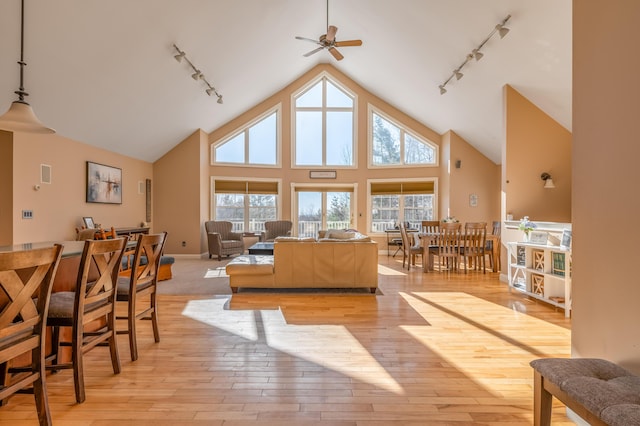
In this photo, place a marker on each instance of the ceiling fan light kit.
(197, 74)
(328, 41)
(20, 116)
(475, 54)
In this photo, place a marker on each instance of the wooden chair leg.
(78, 367)
(541, 402)
(113, 345)
(154, 318)
(40, 395)
(131, 324)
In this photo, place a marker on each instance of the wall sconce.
(197, 74)
(548, 181)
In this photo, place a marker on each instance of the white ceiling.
(103, 73)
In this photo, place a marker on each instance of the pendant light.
(20, 117)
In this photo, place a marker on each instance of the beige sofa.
(340, 261)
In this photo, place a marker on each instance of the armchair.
(276, 228)
(222, 241)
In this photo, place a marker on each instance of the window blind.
(245, 187)
(398, 188)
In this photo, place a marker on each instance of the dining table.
(431, 239)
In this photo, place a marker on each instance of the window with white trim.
(324, 123)
(255, 144)
(393, 202)
(394, 145)
(246, 204)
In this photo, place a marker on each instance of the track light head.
(196, 75)
(219, 99)
(502, 30)
(477, 54)
(179, 56)
(442, 89)
(458, 74)
(209, 91)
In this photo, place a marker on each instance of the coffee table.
(261, 248)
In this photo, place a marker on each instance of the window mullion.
(324, 121)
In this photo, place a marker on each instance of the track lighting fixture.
(475, 53)
(197, 74)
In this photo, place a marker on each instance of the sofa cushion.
(334, 235)
(295, 240)
(250, 265)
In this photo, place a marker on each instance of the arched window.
(324, 125)
(257, 143)
(391, 144)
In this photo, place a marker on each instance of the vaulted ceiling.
(103, 73)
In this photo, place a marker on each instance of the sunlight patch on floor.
(219, 272)
(383, 270)
(313, 343)
(479, 345)
(317, 344)
(211, 312)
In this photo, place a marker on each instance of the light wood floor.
(430, 349)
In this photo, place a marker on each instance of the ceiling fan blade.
(313, 51)
(335, 53)
(348, 43)
(307, 39)
(331, 33)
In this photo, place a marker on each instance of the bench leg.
(542, 400)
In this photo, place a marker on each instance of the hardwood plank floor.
(430, 349)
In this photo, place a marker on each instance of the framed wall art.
(104, 184)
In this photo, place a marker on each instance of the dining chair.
(23, 322)
(142, 282)
(88, 311)
(474, 244)
(430, 226)
(411, 247)
(496, 228)
(448, 247)
(103, 234)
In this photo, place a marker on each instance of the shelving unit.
(542, 272)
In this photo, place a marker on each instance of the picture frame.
(88, 222)
(104, 184)
(538, 237)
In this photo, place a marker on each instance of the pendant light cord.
(20, 92)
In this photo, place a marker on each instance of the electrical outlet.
(27, 214)
(184, 244)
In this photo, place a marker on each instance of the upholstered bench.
(164, 271)
(250, 270)
(599, 391)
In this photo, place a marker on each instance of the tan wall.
(476, 175)
(6, 188)
(362, 173)
(177, 195)
(535, 143)
(58, 207)
(606, 293)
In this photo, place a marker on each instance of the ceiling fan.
(328, 41)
